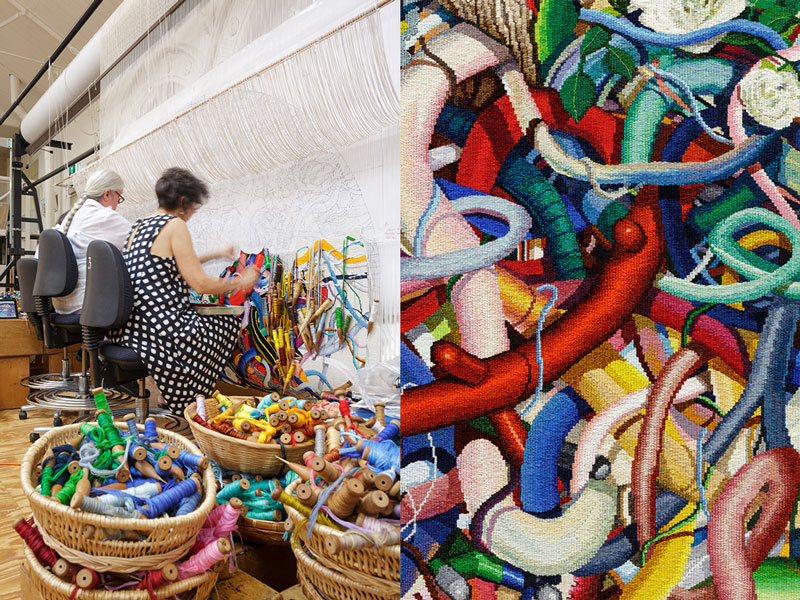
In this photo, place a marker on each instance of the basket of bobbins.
(252, 435)
(118, 497)
(262, 518)
(352, 492)
(62, 581)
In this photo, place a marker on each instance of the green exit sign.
(72, 169)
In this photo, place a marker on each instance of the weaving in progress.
(599, 299)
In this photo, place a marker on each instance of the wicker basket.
(335, 581)
(164, 540)
(266, 532)
(50, 587)
(238, 455)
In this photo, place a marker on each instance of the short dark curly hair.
(178, 188)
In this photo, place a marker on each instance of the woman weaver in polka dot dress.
(184, 352)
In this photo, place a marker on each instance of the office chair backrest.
(26, 273)
(109, 293)
(57, 273)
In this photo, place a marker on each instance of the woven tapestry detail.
(600, 299)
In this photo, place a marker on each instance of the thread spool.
(274, 421)
(306, 494)
(44, 554)
(319, 440)
(91, 505)
(171, 450)
(302, 471)
(283, 404)
(394, 492)
(165, 501)
(195, 461)
(206, 558)
(282, 416)
(315, 414)
(344, 500)
(328, 472)
(280, 495)
(63, 570)
(288, 526)
(384, 482)
(163, 465)
(373, 503)
(349, 541)
(133, 430)
(100, 400)
(237, 504)
(82, 488)
(76, 441)
(123, 475)
(87, 579)
(371, 523)
(388, 432)
(286, 439)
(299, 437)
(286, 428)
(200, 403)
(54, 489)
(380, 412)
(367, 477)
(150, 430)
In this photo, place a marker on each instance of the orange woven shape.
(49, 587)
(163, 540)
(256, 530)
(242, 456)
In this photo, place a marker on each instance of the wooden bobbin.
(224, 546)
(54, 489)
(308, 404)
(146, 469)
(243, 425)
(87, 579)
(63, 570)
(299, 437)
(73, 467)
(374, 503)
(306, 494)
(164, 463)
(286, 439)
(274, 421)
(394, 492)
(277, 515)
(123, 474)
(76, 441)
(244, 484)
(380, 412)
(82, 488)
(384, 482)
(328, 472)
(176, 472)
(139, 453)
(170, 572)
(283, 404)
(286, 428)
(282, 416)
(333, 439)
(237, 503)
(236, 477)
(288, 525)
(345, 499)
(315, 414)
(367, 477)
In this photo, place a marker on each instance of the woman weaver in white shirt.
(93, 217)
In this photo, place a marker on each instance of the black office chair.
(107, 305)
(56, 276)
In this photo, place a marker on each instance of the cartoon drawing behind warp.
(600, 298)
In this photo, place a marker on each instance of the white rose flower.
(685, 16)
(770, 96)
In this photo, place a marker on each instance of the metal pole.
(64, 43)
(58, 170)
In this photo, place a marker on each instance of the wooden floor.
(269, 568)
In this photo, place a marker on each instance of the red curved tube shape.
(512, 375)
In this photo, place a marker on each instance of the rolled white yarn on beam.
(604, 421)
(562, 545)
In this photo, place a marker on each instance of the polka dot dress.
(184, 352)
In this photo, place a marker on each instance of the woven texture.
(238, 455)
(165, 540)
(600, 299)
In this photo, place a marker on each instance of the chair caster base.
(57, 421)
(33, 437)
(22, 415)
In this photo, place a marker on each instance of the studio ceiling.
(30, 30)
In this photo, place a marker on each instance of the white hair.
(97, 185)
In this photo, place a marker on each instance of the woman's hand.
(247, 279)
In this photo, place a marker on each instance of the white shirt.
(93, 221)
